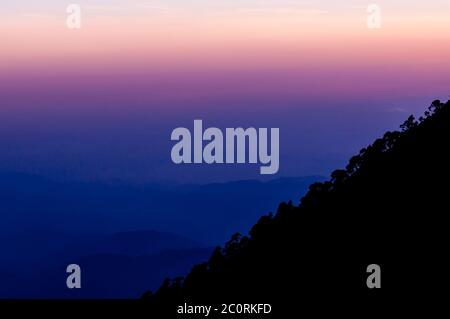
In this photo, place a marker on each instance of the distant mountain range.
(113, 266)
(29, 203)
(136, 235)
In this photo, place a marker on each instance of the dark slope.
(388, 207)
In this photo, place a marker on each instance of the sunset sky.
(100, 102)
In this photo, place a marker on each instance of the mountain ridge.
(387, 207)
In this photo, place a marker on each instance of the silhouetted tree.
(389, 206)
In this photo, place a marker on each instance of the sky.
(100, 102)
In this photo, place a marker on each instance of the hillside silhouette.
(388, 207)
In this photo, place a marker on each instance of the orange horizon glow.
(287, 40)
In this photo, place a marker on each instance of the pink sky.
(272, 39)
(134, 74)
(279, 51)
